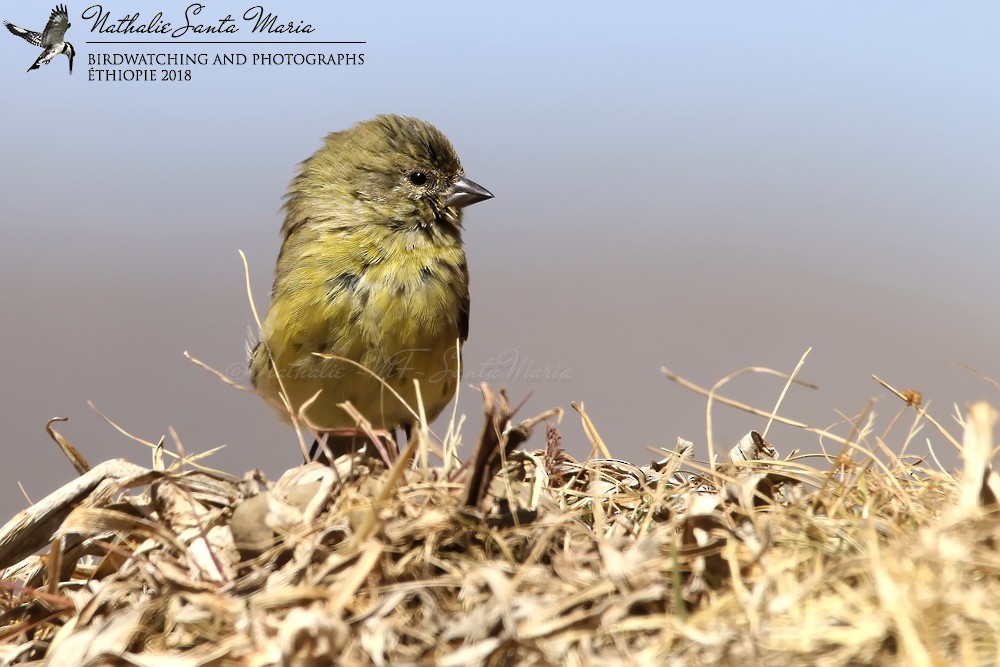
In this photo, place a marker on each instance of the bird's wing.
(463, 318)
(464, 302)
(43, 59)
(56, 28)
(29, 36)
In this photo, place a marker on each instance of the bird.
(51, 39)
(371, 285)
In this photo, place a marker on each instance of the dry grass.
(863, 557)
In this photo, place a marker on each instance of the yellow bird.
(371, 270)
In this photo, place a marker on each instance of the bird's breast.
(412, 297)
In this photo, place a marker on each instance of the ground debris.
(540, 559)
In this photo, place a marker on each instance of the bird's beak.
(465, 192)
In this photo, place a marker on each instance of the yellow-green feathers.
(372, 270)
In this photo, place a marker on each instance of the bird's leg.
(336, 442)
(340, 441)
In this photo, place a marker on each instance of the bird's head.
(70, 52)
(392, 170)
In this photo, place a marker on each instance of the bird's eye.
(418, 178)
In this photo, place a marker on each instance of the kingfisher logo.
(51, 39)
(129, 46)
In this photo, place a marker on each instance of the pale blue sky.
(702, 185)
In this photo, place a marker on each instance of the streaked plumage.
(371, 269)
(51, 39)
